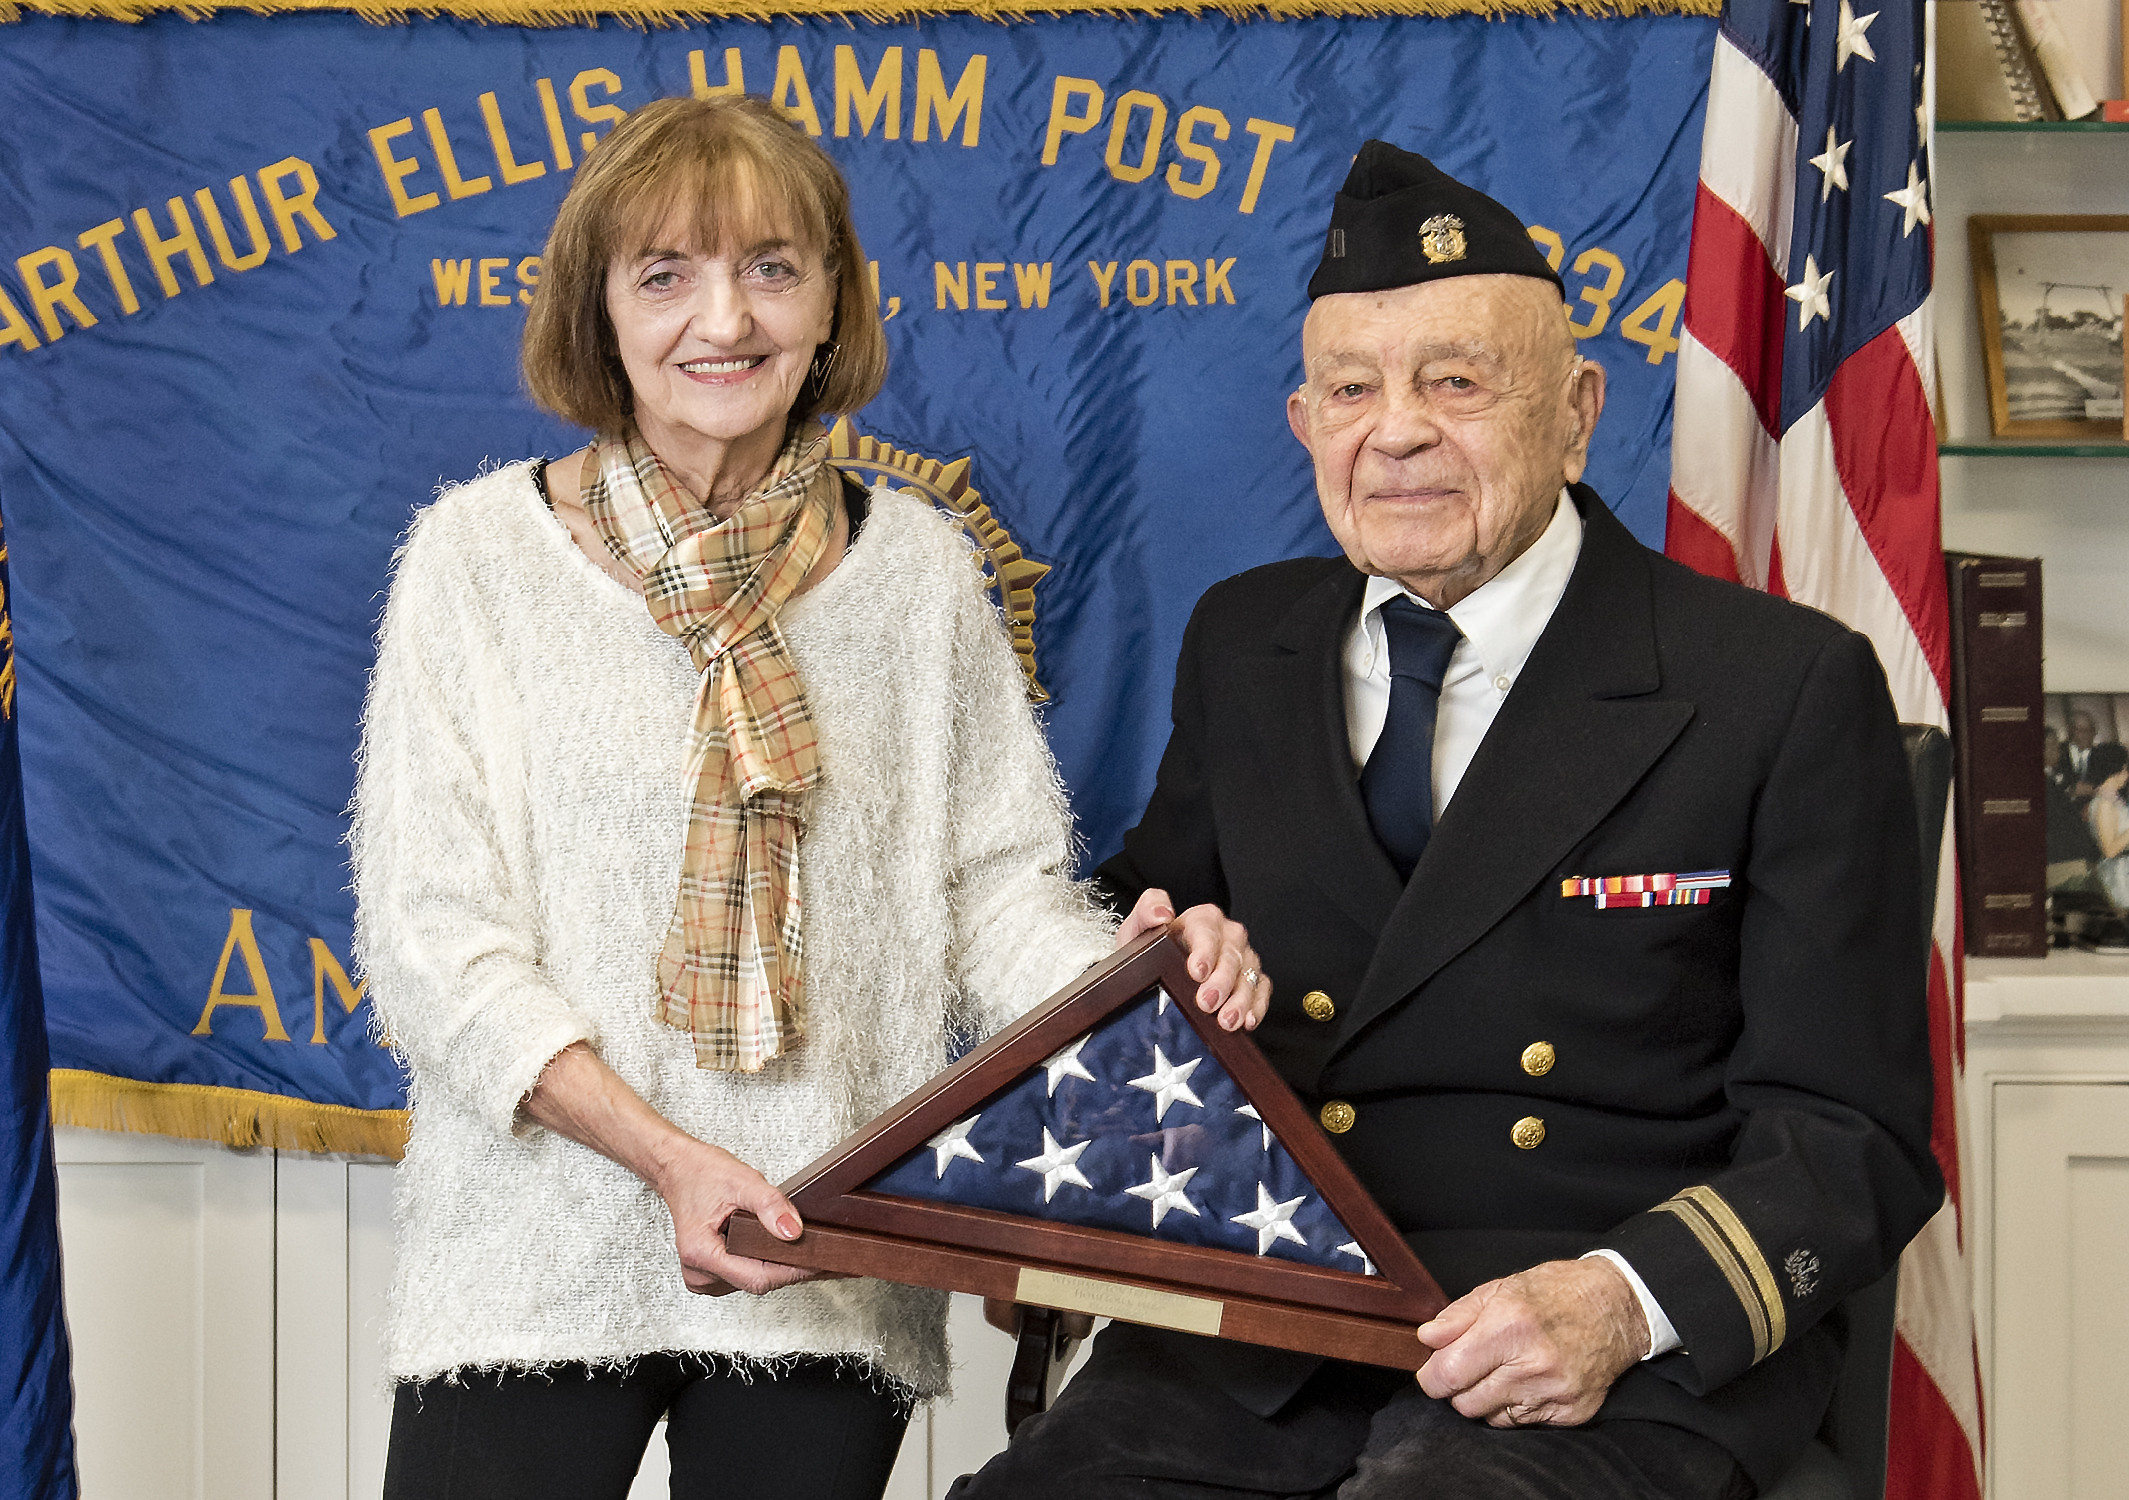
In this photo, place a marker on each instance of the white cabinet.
(2062, 1320)
(2048, 1104)
(333, 1245)
(168, 1248)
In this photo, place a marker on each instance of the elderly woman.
(699, 805)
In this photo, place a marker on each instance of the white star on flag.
(1352, 1247)
(1164, 1191)
(1066, 1064)
(1272, 1221)
(1161, 1006)
(1832, 171)
(1057, 1164)
(1913, 200)
(1167, 1083)
(1852, 42)
(1251, 1111)
(1810, 295)
(952, 1142)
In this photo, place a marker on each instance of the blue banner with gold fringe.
(263, 281)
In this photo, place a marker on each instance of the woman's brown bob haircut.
(720, 173)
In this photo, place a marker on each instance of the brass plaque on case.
(1108, 1299)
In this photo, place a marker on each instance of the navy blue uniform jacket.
(1740, 1102)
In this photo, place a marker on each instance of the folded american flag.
(1133, 1127)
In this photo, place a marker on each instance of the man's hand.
(1221, 959)
(1541, 1346)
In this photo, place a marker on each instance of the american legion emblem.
(1011, 575)
(1442, 237)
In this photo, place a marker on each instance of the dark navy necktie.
(1398, 783)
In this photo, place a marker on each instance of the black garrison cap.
(1400, 220)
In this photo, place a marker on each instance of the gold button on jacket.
(1317, 1006)
(1338, 1116)
(1538, 1059)
(1528, 1133)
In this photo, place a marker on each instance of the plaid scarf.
(730, 971)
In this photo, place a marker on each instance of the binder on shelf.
(1985, 69)
(1996, 734)
(2056, 60)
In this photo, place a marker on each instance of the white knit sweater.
(517, 842)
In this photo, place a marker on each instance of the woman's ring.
(1249, 976)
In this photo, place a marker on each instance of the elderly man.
(1591, 890)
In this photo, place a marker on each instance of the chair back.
(1855, 1425)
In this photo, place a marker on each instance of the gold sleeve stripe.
(1736, 1254)
(1717, 1208)
(1725, 1260)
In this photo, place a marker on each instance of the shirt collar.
(1502, 618)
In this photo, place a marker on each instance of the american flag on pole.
(1804, 462)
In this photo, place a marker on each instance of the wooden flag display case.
(1361, 1299)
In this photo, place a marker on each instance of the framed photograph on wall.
(2049, 289)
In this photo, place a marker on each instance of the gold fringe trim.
(234, 1117)
(644, 13)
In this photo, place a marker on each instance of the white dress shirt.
(1501, 621)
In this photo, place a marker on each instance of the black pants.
(1137, 1422)
(575, 1433)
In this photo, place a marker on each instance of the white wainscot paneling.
(169, 1258)
(333, 1232)
(227, 1309)
(2061, 1290)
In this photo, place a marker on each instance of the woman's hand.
(702, 1187)
(1221, 959)
(580, 1097)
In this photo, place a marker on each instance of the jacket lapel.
(1576, 734)
(1295, 705)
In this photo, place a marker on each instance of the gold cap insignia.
(1442, 238)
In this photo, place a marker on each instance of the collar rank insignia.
(1689, 889)
(1442, 238)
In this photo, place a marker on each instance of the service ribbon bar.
(1664, 889)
